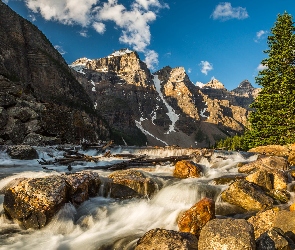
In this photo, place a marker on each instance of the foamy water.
(109, 222)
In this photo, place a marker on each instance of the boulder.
(283, 196)
(194, 219)
(274, 182)
(263, 221)
(292, 207)
(187, 169)
(234, 234)
(33, 202)
(268, 163)
(285, 220)
(156, 239)
(227, 179)
(247, 195)
(291, 157)
(131, 183)
(22, 152)
(3, 117)
(276, 150)
(274, 239)
(82, 186)
(24, 114)
(261, 178)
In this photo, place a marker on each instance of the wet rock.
(82, 186)
(263, 221)
(274, 239)
(130, 183)
(187, 169)
(22, 152)
(285, 220)
(156, 239)
(33, 202)
(247, 195)
(261, 178)
(291, 157)
(283, 196)
(234, 234)
(268, 163)
(194, 219)
(227, 179)
(292, 207)
(275, 150)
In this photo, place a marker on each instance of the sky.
(211, 39)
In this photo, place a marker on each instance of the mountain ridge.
(176, 107)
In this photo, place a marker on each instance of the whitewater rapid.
(103, 222)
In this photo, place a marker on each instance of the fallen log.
(141, 161)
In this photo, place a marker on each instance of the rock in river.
(197, 216)
(22, 152)
(156, 239)
(33, 202)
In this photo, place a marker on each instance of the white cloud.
(224, 11)
(133, 21)
(206, 67)
(261, 34)
(5, 1)
(60, 49)
(151, 59)
(64, 11)
(261, 67)
(32, 17)
(99, 27)
(83, 33)
(189, 70)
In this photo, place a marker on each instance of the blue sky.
(210, 39)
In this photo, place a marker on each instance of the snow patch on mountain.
(120, 52)
(171, 112)
(139, 125)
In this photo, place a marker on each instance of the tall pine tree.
(273, 121)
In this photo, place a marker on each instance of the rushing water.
(105, 223)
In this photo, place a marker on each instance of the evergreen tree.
(273, 121)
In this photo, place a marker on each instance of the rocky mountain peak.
(245, 88)
(214, 84)
(122, 52)
(245, 85)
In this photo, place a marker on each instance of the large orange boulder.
(194, 219)
(187, 169)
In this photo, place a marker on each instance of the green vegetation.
(232, 143)
(273, 121)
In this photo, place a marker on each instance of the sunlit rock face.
(34, 78)
(162, 108)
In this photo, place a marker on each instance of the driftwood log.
(141, 161)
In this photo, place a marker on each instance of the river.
(106, 223)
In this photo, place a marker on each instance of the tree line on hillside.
(273, 118)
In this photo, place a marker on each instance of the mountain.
(164, 106)
(40, 99)
(44, 101)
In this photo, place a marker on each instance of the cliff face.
(166, 106)
(37, 87)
